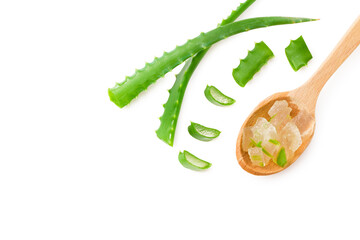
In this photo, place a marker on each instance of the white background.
(75, 166)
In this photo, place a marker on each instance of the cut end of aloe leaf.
(216, 97)
(190, 161)
(113, 98)
(116, 96)
(202, 133)
(298, 54)
(166, 138)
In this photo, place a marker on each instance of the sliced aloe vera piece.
(253, 62)
(281, 159)
(192, 162)
(298, 53)
(216, 97)
(203, 133)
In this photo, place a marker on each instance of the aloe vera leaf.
(202, 133)
(192, 162)
(298, 53)
(122, 93)
(253, 62)
(216, 97)
(168, 120)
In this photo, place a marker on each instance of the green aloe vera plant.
(253, 62)
(122, 93)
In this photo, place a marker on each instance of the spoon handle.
(309, 92)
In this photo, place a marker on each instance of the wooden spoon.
(303, 98)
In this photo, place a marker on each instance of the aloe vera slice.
(298, 53)
(281, 159)
(216, 97)
(203, 133)
(123, 93)
(253, 62)
(192, 162)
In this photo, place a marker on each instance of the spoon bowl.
(262, 111)
(301, 99)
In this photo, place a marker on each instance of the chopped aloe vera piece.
(264, 149)
(203, 133)
(191, 162)
(254, 144)
(275, 142)
(216, 97)
(281, 159)
(272, 118)
(266, 153)
(304, 121)
(257, 156)
(291, 137)
(298, 53)
(278, 107)
(253, 62)
(280, 114)
(247, 142)
(263, 130)
(271, 149)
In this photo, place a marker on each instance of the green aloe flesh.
(192, 162)
(253, 62)
(281, 159)
(122, 93)
(298, 53)
(275, 142)
(266, 152)
(168, 121)
(202, 133)
(216, 97)
(259, 145)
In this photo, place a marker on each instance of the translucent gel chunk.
(272, 149)
(246, 139)
(291, 137)
(263, 131)
(280, 119)
(277, 107)
(257, 156)
(280, 114)
(305, 123)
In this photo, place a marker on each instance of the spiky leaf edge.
(252, 63)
